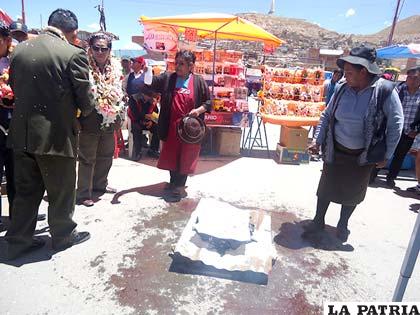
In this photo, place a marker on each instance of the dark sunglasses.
(101, 49)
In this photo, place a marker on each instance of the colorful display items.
(292, 96)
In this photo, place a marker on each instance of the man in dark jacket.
(409, 94)
(50, 79)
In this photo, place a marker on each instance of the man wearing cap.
(19, 31)
(409, 93)
(135, 80)
(358, 131)
(50, 79)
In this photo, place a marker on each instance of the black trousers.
(177, 179)
(33, 175)
(6, 167)
(138, 139)
(402, 149)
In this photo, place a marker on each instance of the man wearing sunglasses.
(50, 80)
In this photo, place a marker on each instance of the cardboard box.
(289, 156)
(295, 138)
(228, 141)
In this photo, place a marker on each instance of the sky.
(343, 16)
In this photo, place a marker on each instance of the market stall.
(224, 70)
(291, 98)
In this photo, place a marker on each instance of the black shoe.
(73, 239)
(390, 182)
(41, 217)
(137, 157)
(176, 194)
(14, 251)
(343, 234)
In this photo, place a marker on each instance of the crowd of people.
(68, 102)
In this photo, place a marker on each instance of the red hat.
(140, 60)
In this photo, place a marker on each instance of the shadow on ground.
(406, 194)
(155, 190)
(42, 254)
(207, 163)
(415, 207)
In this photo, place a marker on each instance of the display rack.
(292, 96)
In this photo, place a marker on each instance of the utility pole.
(394, 22)
(23, 12)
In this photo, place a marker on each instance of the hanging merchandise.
(191, 34)
(292, 97)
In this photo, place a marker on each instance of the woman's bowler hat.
(191, 129)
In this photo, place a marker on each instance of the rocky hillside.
(300, 35)
(406, 31)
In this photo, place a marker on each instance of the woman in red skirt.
(183, 93)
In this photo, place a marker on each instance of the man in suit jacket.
(50, 79)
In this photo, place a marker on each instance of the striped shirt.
(410, 103)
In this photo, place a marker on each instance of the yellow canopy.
(216, 25)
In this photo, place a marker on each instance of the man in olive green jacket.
(50, 79)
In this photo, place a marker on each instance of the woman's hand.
(194, 113)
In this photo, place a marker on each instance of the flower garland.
(6, 93)
(107, 90)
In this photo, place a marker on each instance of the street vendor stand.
(214, 26)
(292, 99)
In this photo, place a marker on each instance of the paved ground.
(124, 268)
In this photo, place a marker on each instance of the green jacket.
(50, 80)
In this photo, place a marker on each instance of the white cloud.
(387, 23)
(18, 17)
(350, 12)
(94, 26)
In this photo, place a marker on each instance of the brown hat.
(191, 129)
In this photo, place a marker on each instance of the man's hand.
(412, 134)
(381, 164)
(313, 148)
